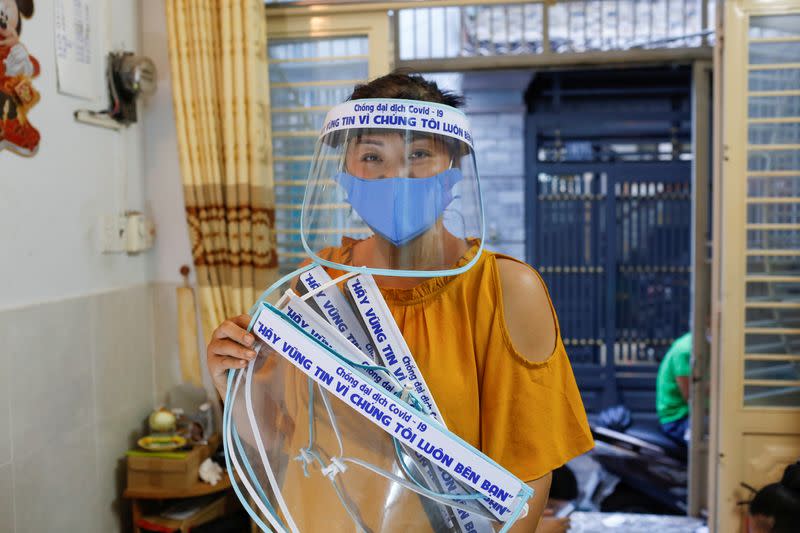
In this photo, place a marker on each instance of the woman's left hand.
(536, 505)
(550, 524)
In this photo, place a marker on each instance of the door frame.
(700, 290)
(748, 444)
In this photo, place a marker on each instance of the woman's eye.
(419, 154)
(370, 158)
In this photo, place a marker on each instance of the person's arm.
(526, 307)
(530, 323)
(682, 369)
(230, 347)
(536, 505)
(683, 385)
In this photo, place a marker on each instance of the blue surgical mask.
(400, 209)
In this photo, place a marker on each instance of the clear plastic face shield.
(399, 177)
(333, 427)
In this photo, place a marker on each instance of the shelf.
(201, 488)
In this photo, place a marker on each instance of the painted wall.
(164, 197)
(51, 203)
(85, 355)
(161, 167)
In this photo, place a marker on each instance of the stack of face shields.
(323, 436)
(332, 427)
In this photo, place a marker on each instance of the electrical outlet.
(112, 233)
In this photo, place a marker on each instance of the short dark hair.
(407, 86)
(781, 501)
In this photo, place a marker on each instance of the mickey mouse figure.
(17, 67)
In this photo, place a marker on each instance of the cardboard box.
(166, 471)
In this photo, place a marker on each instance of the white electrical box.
(111, 233)
(140, 234)
(130, 233)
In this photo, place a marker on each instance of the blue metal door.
(608, 218)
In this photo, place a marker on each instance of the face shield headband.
(407, 170)
(378, 386)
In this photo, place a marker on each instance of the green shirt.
(677, 362)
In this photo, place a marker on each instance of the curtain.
(220, 83)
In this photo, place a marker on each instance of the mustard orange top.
(527, 416)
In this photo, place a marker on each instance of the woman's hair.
(780, 501)
(407, 86)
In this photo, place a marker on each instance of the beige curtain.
(218, 57)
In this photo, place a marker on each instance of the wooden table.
(200, 488)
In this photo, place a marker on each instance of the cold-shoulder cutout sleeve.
(520, 406)
(528, 314)
(532, 415)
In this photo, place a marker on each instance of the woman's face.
(391, 155)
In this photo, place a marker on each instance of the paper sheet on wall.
(76, 52)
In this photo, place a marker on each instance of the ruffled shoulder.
(427, 289)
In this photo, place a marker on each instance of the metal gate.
(608, 219)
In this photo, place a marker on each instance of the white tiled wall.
(165, 341)
(5, 409)
(78, 378)
(6, 497)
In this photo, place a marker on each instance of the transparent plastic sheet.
(311, 462)
(399, 178)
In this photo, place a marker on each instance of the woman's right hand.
(230, 347)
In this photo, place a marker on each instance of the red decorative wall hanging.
(17, 69)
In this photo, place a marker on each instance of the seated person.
(672, 390)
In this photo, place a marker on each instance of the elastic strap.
(230, 456)
(327, 285)
(266, 293)
(260, 446)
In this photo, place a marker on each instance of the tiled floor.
(631, 523)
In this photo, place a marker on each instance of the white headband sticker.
(399, 114)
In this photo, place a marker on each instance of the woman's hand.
(548, 524)
(230, 347)
(536, 505)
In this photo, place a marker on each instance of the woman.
(486, 340)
